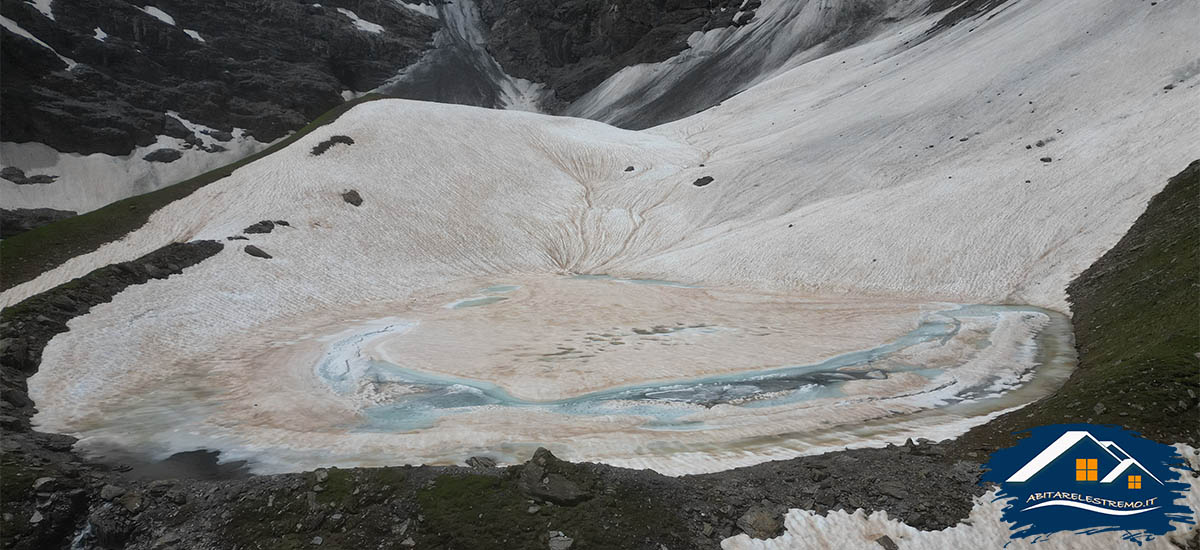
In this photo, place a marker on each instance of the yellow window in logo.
(1135, 482)
(1086, 469)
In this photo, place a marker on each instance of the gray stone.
(109, 492)
(352, 197)
(887, 543)
(761, 522)
(559, 541)
(256, 252)
(163, 155)
(481, 462)
(1099, 408)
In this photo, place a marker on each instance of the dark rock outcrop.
(20, 220)
(265, 226)
(268, 67)
(334, 140)
(701, 182)
(17, 176)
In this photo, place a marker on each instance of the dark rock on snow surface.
(17, 176)
(334, 140)
(703, 181)
(265, 226)
(256, 252)
(352, 197)
(163, 155)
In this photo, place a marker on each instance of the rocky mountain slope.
(99, 76)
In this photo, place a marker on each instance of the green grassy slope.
(1137, 330)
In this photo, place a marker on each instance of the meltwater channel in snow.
(651, 373)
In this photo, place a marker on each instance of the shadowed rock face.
(268, 67)
(573, 46)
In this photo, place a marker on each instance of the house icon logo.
(1088, 479)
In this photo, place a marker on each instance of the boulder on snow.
(163, 155)
(703, 181)
(256, 252)
(17, 176)
(352, 197)
(220, 135)
(265, 226)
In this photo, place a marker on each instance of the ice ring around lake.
(638, 373)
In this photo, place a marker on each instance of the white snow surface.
(195, 35)
(43, 6)
(158, 14)
(424, 9)
(100, 34)
(858, 530)
(87, 182)
(360, 23)
(839, 150)
(824, 183)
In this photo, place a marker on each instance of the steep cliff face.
(98, 76)
(573, 46)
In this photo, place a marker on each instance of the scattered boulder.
(481, 462)
(265, 226)
(628, 168)
(13, 174)
(109, 492)
(220, 135)
(1047, 159)
(547, 478)
(163, 155)
(111, 526)
(887, 543)
(559, 541)
(173, 127)
(17, 176)
(761, 522)
(256, 252)
(334, 140)
(237, 238)
(352, 197)
(703, 181)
